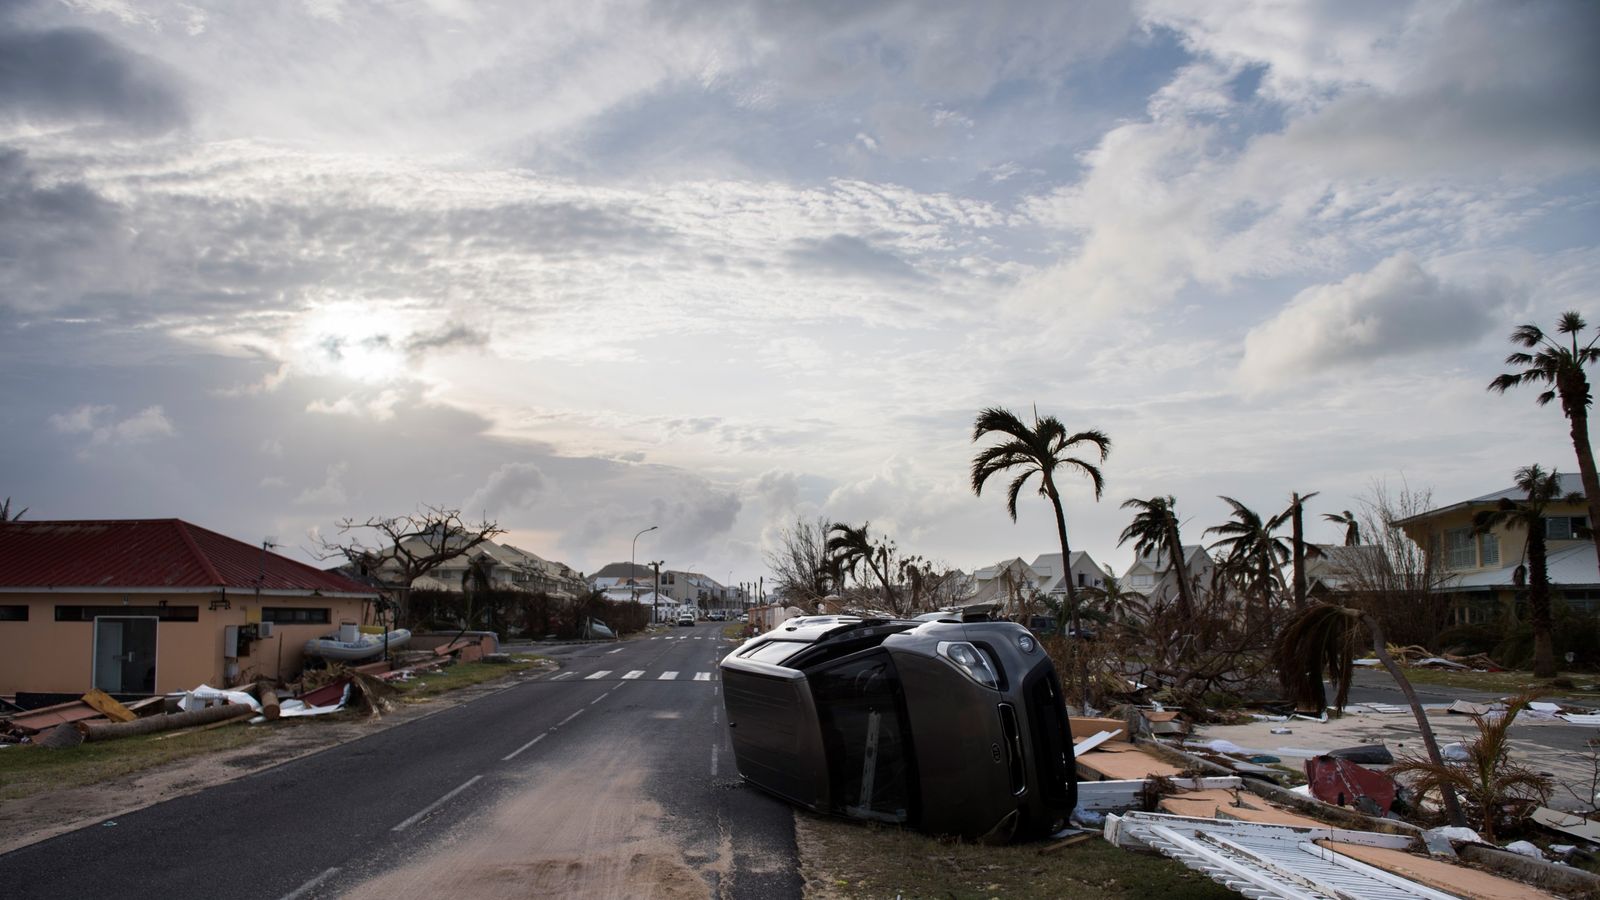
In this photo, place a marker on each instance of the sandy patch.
(581, 830)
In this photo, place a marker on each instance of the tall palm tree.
(850, 547)
(1044, 450)
(1251, 551)
(1297, 534)
(1542, 489)
(1559, 368)
(6, 515)
(1154, 530)
(1352, 527)
(1324, 637)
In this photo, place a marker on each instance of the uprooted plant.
(1498, 793)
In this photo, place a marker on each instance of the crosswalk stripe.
(668, 676)
(600, 674)
(563, 675)
(632, 675)
(702, 676)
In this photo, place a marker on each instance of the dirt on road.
(583, 829)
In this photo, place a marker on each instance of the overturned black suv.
(949, 726)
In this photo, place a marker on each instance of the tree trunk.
(1544, 657)
(154, 724)
(1181, 567)
(1578, 416)
(1380, 646)
(1299, 554)
(1072, 592)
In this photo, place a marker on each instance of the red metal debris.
(1343, 783)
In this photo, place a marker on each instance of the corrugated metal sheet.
(148, 553)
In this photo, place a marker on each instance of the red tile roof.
(149, 553)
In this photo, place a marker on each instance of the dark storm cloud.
(73, 76)
(446, 337)
(56, 236)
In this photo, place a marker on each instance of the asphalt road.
(611, 777)
(1375, 686)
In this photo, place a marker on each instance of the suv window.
(861, 709)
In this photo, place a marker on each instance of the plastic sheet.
(206, 695)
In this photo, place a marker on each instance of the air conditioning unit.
(264, 630)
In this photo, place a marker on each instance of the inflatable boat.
(361, 647)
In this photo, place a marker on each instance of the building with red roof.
(139, 606)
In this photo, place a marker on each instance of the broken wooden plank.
(1124, 794)
(108, 704)
(1095, 740)
(1078, 838)
(1567, 823)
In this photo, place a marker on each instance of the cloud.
(103, 428)
(511, 488)
(73, 76)
(846, 256)
(330, 493)
(1396, 309)
(378, 405)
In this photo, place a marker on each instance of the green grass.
(846, 859)
(1508, 683)
(734, 630)
(26, 769)
(428, 685)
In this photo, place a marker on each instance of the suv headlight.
(969, 659)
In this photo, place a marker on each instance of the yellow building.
(1481, 571)
(142, 606)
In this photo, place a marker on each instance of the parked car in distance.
(716, 615)
(686, 618)
(949, 726)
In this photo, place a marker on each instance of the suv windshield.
(862, 714)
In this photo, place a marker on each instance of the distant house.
(1485, 567)
(1333, 569)
(141, 606)
(1153, 575)
(1011, 582)
(508, 568)
(1084, 572)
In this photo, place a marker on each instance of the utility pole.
(655, 603)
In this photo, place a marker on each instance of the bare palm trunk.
(1072, 593)
(1578, 417)
(1380, 646)
(1181, 567)
(1544, 657)
(1299, 555)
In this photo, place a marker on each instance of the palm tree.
(1296, 515)
(1493, 785)
(1042, 450)
(1251, 552)
(1154, 530)
(1120, 605)
(1324, 637)
(1542, 488)
(6, 515)
(1559, 367)
(1352, 528)
(850, 547)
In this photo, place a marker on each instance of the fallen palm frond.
(1322, 639)
(1497, 791)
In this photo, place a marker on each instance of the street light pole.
(633, 582)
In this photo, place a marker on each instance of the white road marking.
(618, 650)
(633, 674)
(435, 805)
(714, 709)
(600, 674)
(668, 676)
(713, 760)
(563, 675)
(306, 888)
(536, 740)
(702, 676)
(599, 698)
(568, 719)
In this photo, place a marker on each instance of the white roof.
(1568, 564)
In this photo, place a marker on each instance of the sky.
(588, 267)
